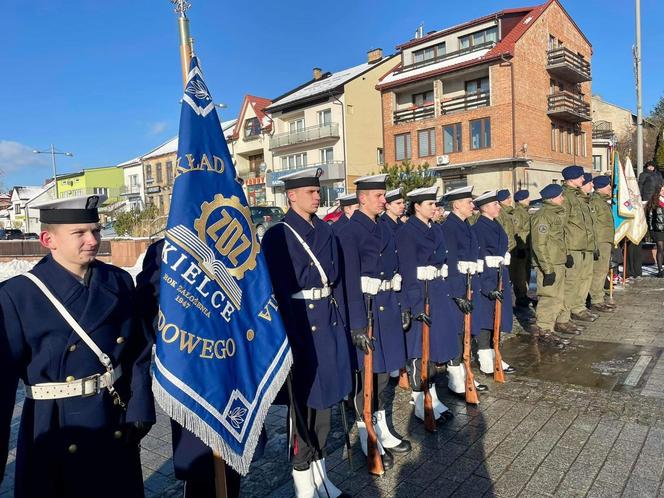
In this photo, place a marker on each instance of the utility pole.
(639, 104)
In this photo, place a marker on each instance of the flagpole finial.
(181, 7)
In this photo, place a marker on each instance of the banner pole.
(219, 476)
(181, 7)
(625, 264)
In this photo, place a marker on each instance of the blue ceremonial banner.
(222, 352)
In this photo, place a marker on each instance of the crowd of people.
(400, 277)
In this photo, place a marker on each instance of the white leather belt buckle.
(84, 388)
(315, 294)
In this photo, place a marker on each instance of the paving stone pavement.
(527, 438)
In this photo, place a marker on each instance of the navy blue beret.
(572, 172)
(601, 181)
(587, 178)
(551, 191)
(503, 194)
(521, 195)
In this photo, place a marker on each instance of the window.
(570, 134)
(452, 138)
(133, 180)
(169, 173)
(480, 85)
(328, 196)
(252, 128)
(426, 142)
(597, 163)
(577, 149)
(294, 161)
(554, 139)
(296, 125)
(478, 38)
(100, 191)
(160, 177)
(148, 173)
(380, 156)
(552, 42)
(584, 152)
(325, 117)
(480, 133)
(429, 53)
(424, 98)
(561, 136)
(327, 155)
(17, 209)
(402, 146)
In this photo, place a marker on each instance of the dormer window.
(429, 53)
(479, 38)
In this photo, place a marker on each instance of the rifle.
(344, 422)
(429, 419)
(471, 392)
(374, 460)
(404, 383)
(498, 374)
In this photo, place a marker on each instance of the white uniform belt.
(373, 286)
(494, 261)
(87, 386)
(467, 267)
(431, 272)
(313, 294)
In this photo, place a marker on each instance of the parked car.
(11, 234)
(333, 215)
(264, 217)
(30, 236)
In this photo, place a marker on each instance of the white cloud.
(158, 127)
(14, 156)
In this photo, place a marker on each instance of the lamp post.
(53, 152)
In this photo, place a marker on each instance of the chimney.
(317, 73)
(374, 55)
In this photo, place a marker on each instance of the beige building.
(332, 122)
(249, 146)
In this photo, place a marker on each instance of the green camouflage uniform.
(600, 210)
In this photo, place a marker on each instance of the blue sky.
(102, 79)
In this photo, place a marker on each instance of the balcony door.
(296, 125)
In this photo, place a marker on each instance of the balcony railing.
(444, 57)
(567, 65)
(569, 107)
(603, 130)
(416, 114)
(329, 130)
(130, 190)
(465, 102)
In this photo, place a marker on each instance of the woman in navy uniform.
(464, 257)
(348, 204)
(370, 268)
(493, 243)
(423, 257)
(303, 260)
(395, 206)
(85, 411)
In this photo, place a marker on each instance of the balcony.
(130, 191)
(332, 171)
(416, 114)
(603, 130)
(465, 102)
(568, 66)
(447, 56)
(569, 107)
(330, 130)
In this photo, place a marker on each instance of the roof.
(323, 86)
(82, 172)
(504, 48)
(258, 104)
(27, 193)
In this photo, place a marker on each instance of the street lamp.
(53, 152)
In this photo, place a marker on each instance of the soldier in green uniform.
(578, 233)
(600, 209)
(521, 258)
(591, 254)
(547, 228)
(505, 217)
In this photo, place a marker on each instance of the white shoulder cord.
(323, 277)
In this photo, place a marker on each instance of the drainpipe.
(509, 63)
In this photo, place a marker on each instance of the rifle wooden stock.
(471, 392)
(374, 460)
(404, 383)
(498, 374)
(429, 418)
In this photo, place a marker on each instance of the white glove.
(467, 267)
(444, 271)
(396, 283)
(507, 259)
(480, 265)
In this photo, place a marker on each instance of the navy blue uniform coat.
(422, 245)
(341, 222)
(394, 225)
(320, 345)
(369, 249)
(493, 242)
(69, 447)
(463, 246)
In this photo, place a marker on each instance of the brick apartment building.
(503, 100)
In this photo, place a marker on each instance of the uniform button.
(313, 328)
(381, 308)
(72, 348)
(120, 340)
(311, 306)
(334, 324)
(380, 254)
(382, 273)
(311, 263)
(117, 434)
(72, 448)
(70, 378)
